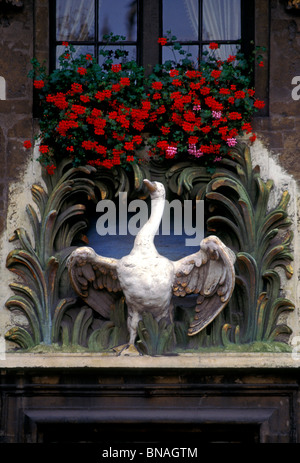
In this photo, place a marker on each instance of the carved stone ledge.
(213, 361)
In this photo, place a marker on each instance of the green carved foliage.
(155, 337)
(42, 265)
(237, 211)
(240, 215)
(113, 332)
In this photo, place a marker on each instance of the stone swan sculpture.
(148, 280)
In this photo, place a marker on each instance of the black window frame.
(97, 43)
(150, 27)
(247, 29)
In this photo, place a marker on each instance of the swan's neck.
(145, 237)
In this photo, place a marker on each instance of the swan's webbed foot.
(126, 349)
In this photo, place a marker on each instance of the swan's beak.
(150, 185)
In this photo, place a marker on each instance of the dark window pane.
(75, 20)
(118, 17)
(181, 18)
(169, 54)
(221, 20)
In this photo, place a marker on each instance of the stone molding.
(89, 361)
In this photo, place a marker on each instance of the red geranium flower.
(193, 140)
(27, 144)
(240, 94)
(247, 126)
(38, 83)
(128, 146)
(224, 91)
(85, 98)
(162, 41)
(82, 71)
(44, 149)
(76, 88)
(51, 169)
(165, 130)
(234, 116)
(174, 72)
(125, 81)
(157, 85)
(116, 88)
(231, 58)
(213, 46)
(215, 73)
(177, 82)
(156, 96)
(259, 104)
(116, 67)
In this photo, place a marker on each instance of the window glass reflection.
(118, 17)
(181, 18)
(221, 20)
(75, 20)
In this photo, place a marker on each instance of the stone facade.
(24, 33)
(22, 27)
(279, 128)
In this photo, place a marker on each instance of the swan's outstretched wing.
(209, 273)
(89, 273)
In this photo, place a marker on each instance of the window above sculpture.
(195, 23)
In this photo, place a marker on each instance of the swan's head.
(156, 189)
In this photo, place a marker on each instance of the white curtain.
(75, 19)
(192, 13)
(221, 20)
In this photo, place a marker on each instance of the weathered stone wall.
(280, 129)
(23, 34)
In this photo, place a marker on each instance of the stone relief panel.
(247, 213)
